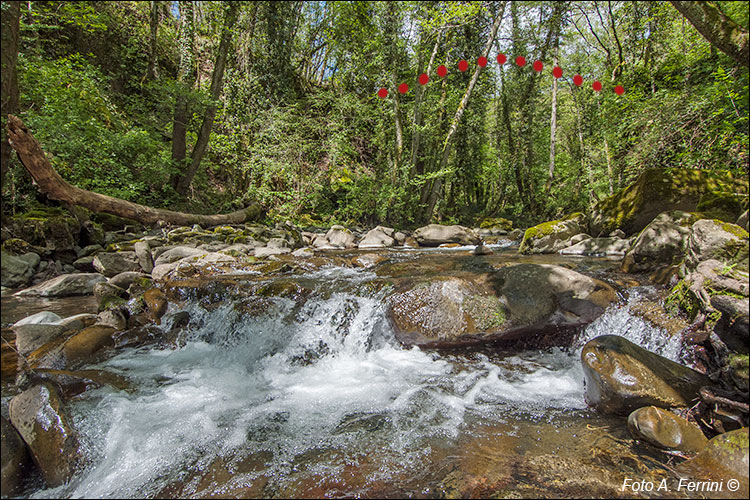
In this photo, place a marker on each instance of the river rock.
(662, 243)
(552, 236)
(43, 422)
(340, 237)
(724, 458)
(435, 235)
(124, 280)
(113, 263)
(16, 271)
(53, 229)
(143, 254)
(85, 264)
(597, 246)
(114, 318)
(518, 304)
(621, 376)
(378, 237)
(262, 252)
(303, 253)
(482, 250)
(714, 239)
(664, 429)
(176, 253)
(83, 345)
(156, 303)
(14, 459)
(31, 336)
(66, 285)
(734, 326)
(656, 191)
(108, 296)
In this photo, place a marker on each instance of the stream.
(319, 400)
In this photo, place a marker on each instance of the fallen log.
(50, 183)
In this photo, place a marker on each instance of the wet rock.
(724, 458)
(113, 263)
(664, 429)
(156, 303)
(340, 237)
(597, 246)
(75, 382)
(621, 377)
(16, 272)
(435, 235)
(656, 191)
(717, 240)
(108, 296)
(32, 335)
(15, 459)
(82, 346)
(552, 236)
(114, 318)
(66, 285)
(368, 260)
(525, 303)
(482, 250)
(143, 254)
(378, 237)
(43, 422)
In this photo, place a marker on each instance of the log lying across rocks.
(33, 159)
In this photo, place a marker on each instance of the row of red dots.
(442, 71)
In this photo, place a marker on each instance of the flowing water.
(320, 400)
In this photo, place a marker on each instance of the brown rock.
(664, 429)
(15, 459)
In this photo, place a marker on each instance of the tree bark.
(716, 27)
(151, 71)
(186, 75)
(216, 84)
(552, 132)
(55, 187)
(11, 16)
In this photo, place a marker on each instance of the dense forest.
(209, 106)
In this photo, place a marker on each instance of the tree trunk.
(216, 84)
(185, 80)
(461, 108)
(11, 15)
(417, 122)
(151, 71)
(552, 132)
(716, 27)
(55, 187)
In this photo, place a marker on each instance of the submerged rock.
(43, 422)
(621, 376)
(724, 458)
(435, 235)
(664, 429)
(15, 459)
(525, 304)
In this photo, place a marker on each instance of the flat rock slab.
(65, 286)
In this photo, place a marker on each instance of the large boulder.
(664, 429)
(17, 270)
(552, 236)
(655, 191)
(723, 459)
(65, 286)
(378, 237)
(520, 305)
(114, 263)
(621, 377)
(435, 235)
(722, 241)
(661, 243)
(14, 459)
(43, 422)
(340, 237)
(52, 229)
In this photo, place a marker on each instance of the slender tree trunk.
(151, 72)
(11, 16)
(585, 166)
(55, 187)
(216, 84)
(185, 80)
(444, 154)
(417, 122)
(552, 132)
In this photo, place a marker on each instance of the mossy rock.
(551, 236)
(723, 206)
(111, 222)
(17, 246)
(660, 190)
(497, 223)
(53, 230)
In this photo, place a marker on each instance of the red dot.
(557, 72)
(619, 90)
(521, 61)
(423, 79)
(463, 65)
(442, 71)
(403, 88)
(501, 58)
(383, 93)
(597, 85)
(482, 62)
(578, 80)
